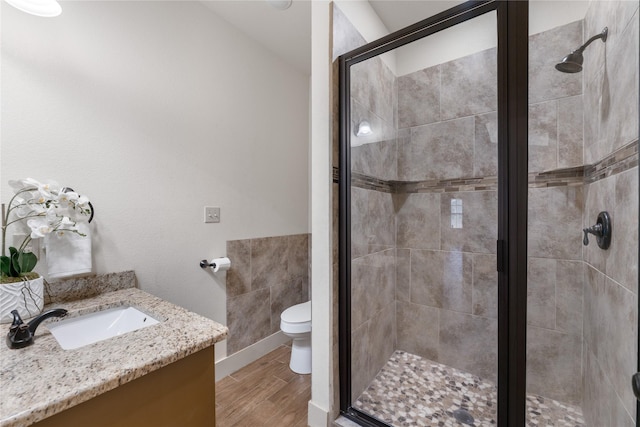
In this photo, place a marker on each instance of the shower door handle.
(635, 384)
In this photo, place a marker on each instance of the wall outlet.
(211, 214)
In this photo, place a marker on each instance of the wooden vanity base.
(180, 394)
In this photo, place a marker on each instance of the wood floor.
(265, 393)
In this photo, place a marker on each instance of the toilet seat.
(296, 319)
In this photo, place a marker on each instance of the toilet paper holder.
(217, 264)
(206, 264)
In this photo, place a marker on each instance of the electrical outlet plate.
(211, 214)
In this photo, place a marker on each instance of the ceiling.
(286, 33)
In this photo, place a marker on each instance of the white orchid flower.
(49, 190)
(83, 202)
(65, 225)
(40, 227)
(21, 184)
(66, 199)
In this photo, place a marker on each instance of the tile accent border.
(622, 160)
(617, 162)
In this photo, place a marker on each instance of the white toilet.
(295, 322)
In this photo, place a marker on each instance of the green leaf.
(5, 265)
(14, 270)
(27, 261)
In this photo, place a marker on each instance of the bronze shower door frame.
(512, 70)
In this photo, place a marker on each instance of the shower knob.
(601, 229)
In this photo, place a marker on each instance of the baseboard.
(242, 358)
(318, 417)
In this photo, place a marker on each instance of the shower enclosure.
(469, 167)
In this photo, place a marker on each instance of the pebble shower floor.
(412, 391)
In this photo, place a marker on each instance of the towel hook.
(68, 190)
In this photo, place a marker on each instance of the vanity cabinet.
(180, 394)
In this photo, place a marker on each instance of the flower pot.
(27, 297)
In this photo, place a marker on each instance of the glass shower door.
(423, 207)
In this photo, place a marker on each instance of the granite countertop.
(43, 379)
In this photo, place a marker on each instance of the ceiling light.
(280, 4)
(45, 8)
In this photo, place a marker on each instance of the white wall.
(154, 110)
(321, 223)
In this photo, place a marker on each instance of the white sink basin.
(93, 327)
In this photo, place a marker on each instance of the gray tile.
(248, 319)
(403, 274)
(485, 286)
(570, 131)
(360, 353)
(600, 196)
(268, 262)
(620, 416)
(622, 262)
(555, 222)
(239, 275)
(372, 221)
(372, 84)
(621, 121)
(418, 329)
(624, 12)
(541, 293)
(372, 285)
(373, 154)
(441, 150)
(599, 15)
(283, 296)
(547, 49)
(298, 257)
(382, 335)
(418, 220)
(611, 331)
(569, 296)
(345, 36)
(543, 136)
(419, 98)
(598, 398)
(469, 85)
(554, 364)
(485, 161)
(469, 343)
(376, 160)
(479, 222)
(442, 279)
(595, 146)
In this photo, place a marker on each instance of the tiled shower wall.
(611, 277)
(554, 300)
(446, 281)
(267, 276)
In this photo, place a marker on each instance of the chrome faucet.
(21, 334)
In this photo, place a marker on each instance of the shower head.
(572, 63)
